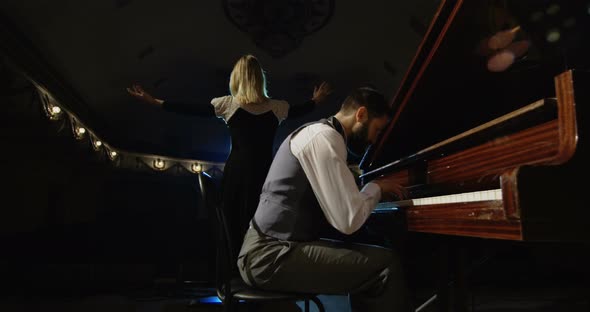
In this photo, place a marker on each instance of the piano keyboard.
(495, 194)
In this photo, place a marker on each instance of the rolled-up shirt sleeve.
(321, 152)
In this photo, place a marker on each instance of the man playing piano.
(309, 187)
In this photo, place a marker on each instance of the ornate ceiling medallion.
(278, 27)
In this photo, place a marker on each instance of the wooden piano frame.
(538, 201)
(496, 162)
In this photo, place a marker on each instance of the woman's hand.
(138, 92)
(321, 92)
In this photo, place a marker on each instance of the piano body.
(488, 152)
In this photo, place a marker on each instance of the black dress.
(252, 137)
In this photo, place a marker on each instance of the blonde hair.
(247, 82)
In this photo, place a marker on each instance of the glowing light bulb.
(81, 130)
(97, 143)
(55, 110)
(553, 35)
(113, 154)
(197, 168)
(159, 163)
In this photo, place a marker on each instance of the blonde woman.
(252, 118)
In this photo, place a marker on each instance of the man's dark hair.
(368, 97)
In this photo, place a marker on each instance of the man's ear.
(361, 114)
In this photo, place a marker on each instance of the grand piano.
(488, 132)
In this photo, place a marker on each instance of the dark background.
(72, 223)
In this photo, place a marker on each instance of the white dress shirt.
(321, 151)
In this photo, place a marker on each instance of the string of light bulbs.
(161, 163)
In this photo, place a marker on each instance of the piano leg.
(452, 286)
(459, 286)
(443, 278)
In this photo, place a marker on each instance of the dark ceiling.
(185, 50)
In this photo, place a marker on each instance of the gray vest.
(288, 208)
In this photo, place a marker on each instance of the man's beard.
(359, 140)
